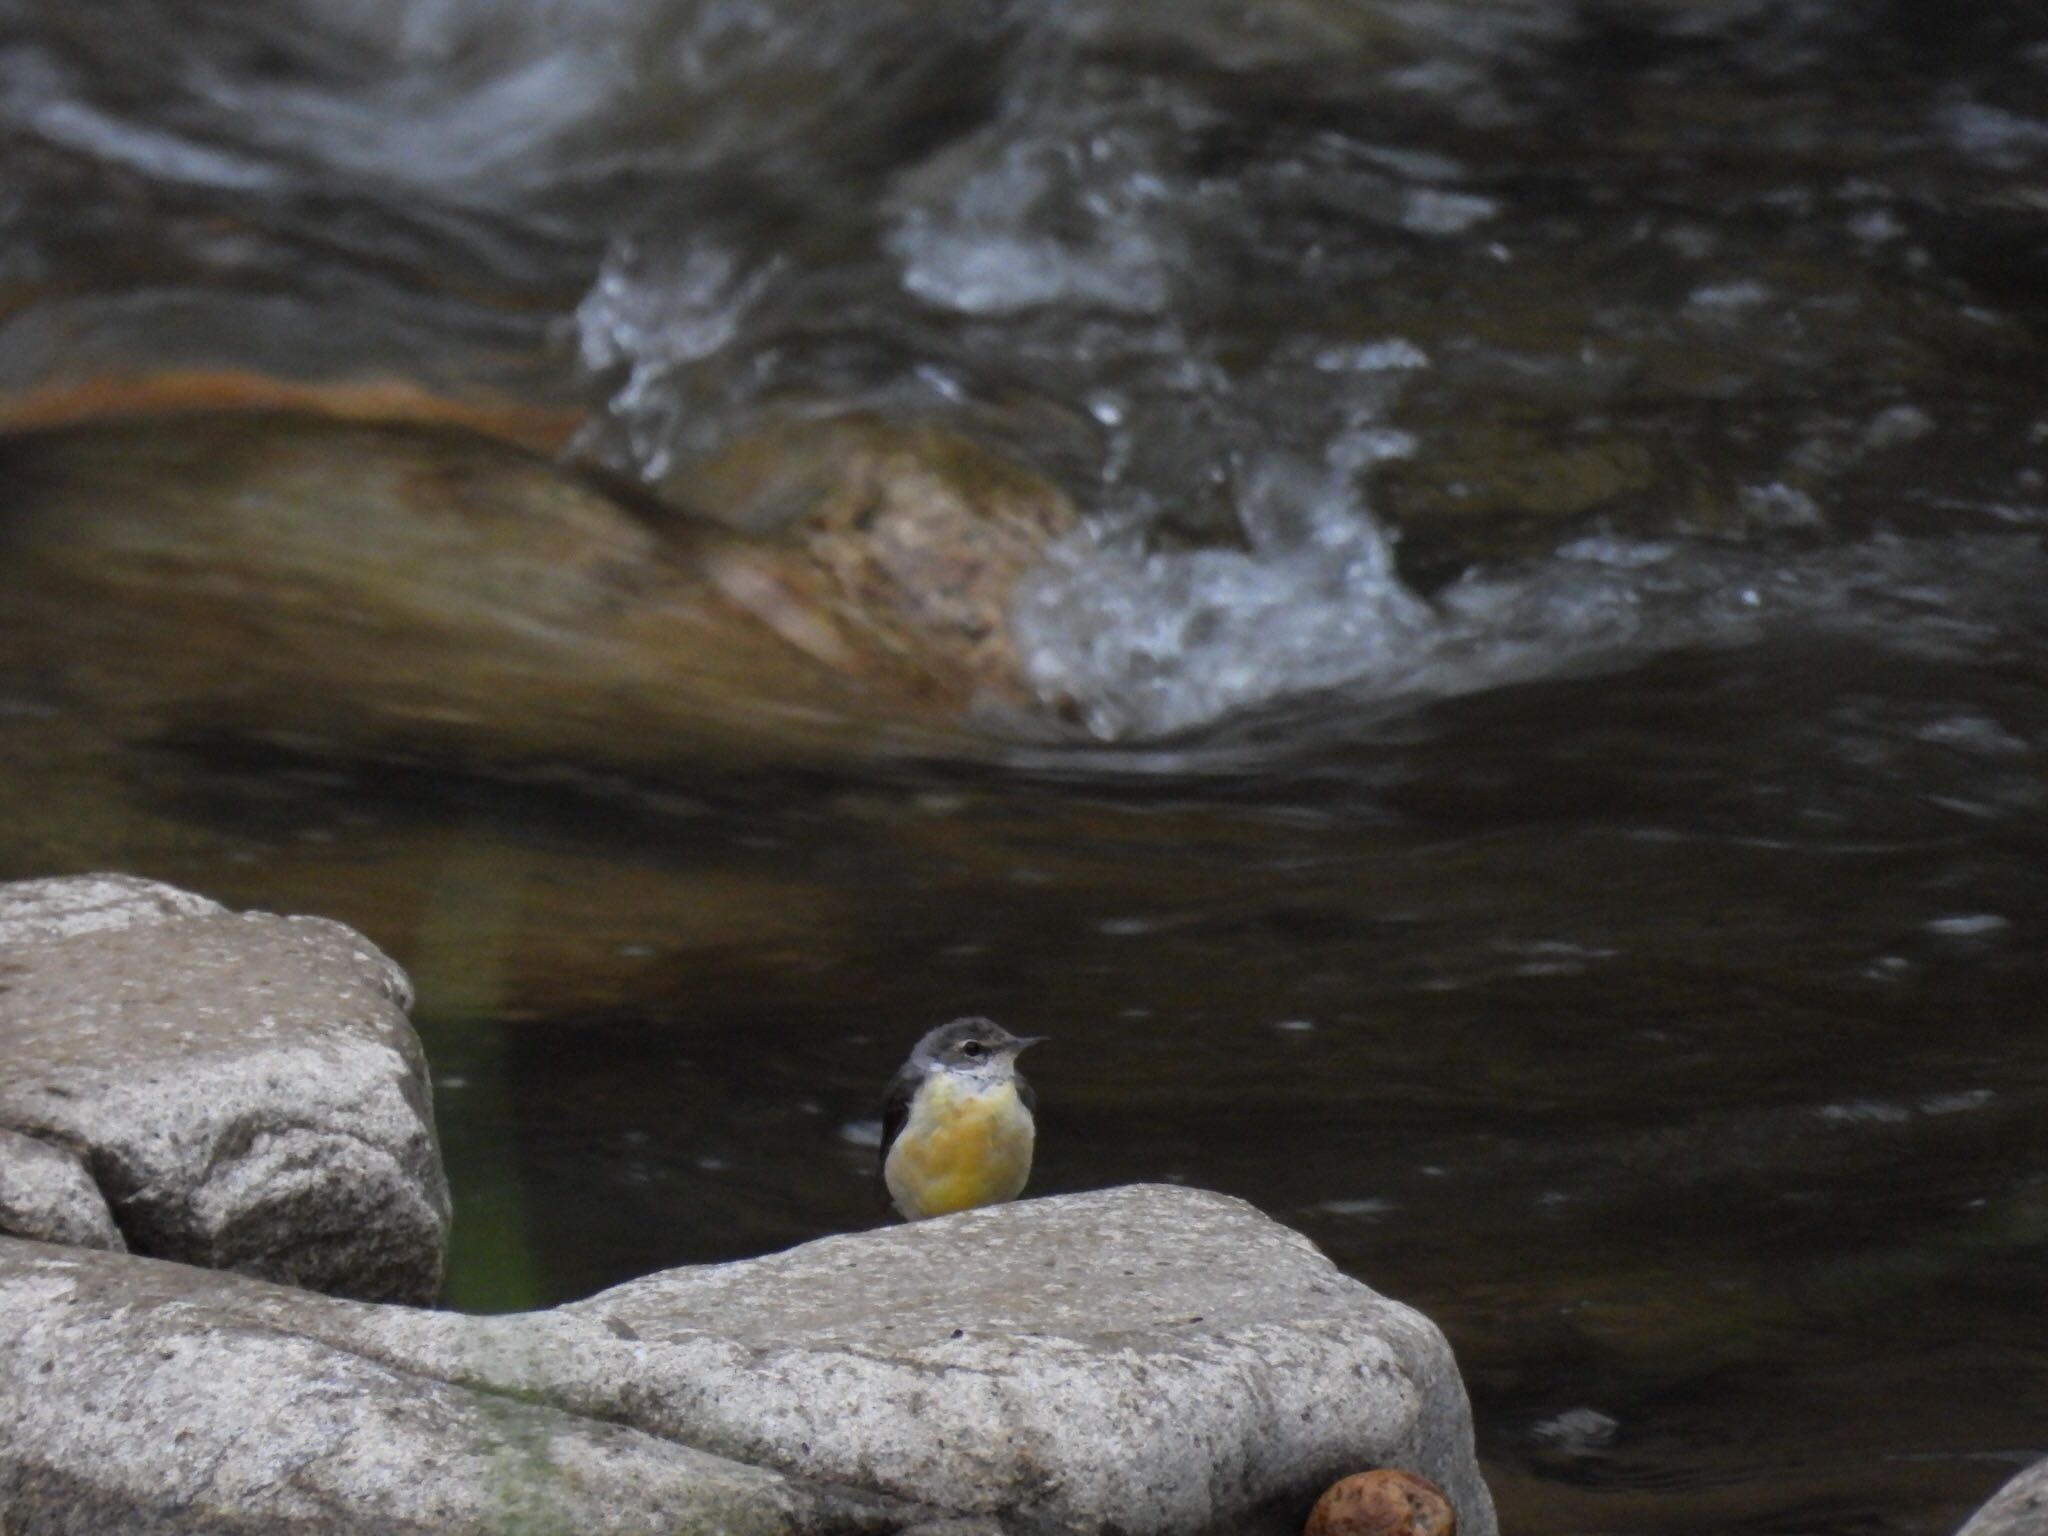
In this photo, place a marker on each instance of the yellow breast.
(961, 1148)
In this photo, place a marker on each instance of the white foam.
(991, 273)
(1998, 138)
(1969, 925)
(1062, 215)
(1390, 356)
(1431, 211)
(497, 132)
(646, 314)
(1148, 642)
(36, 95)
(651, 316)
(1743, 293)
(1143, 643)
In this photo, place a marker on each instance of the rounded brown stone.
(1386, 1501)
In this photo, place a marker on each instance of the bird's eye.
(973, 1048)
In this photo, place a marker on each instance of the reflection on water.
(1558, 645)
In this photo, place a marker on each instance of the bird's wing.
(895, 1115)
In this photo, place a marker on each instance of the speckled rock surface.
(137, 1397)
(46, 1194)
(1145, 1359)
(2020, 1508)
(245, 1090)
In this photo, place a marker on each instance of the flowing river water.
(1548, 787)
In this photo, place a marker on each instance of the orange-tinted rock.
(419, 588)
(189, 391)
(1384, 1502)
(902, 542)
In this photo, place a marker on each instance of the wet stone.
(419, 589)
(905, 539)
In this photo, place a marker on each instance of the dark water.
(1563, 820)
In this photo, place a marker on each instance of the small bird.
(957, 1128)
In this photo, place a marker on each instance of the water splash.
(1141, 643)
(1078, 203)
(1147, 642)
(1168, 255)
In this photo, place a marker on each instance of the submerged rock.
(902, 538)
(2020, 1508)
(244, 1091)
(418, 588)
(1146, 1359)
(184, 392)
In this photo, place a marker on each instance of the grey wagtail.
(957, 1127)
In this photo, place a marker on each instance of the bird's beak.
(1028, 1041)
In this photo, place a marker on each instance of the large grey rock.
(245, 1090)
(1144, 1359)
(1147, 1359)
(140, 1397)
(2020, 1508)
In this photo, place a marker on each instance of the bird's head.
(978, 1048)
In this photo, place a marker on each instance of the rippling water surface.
(1555, 801)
